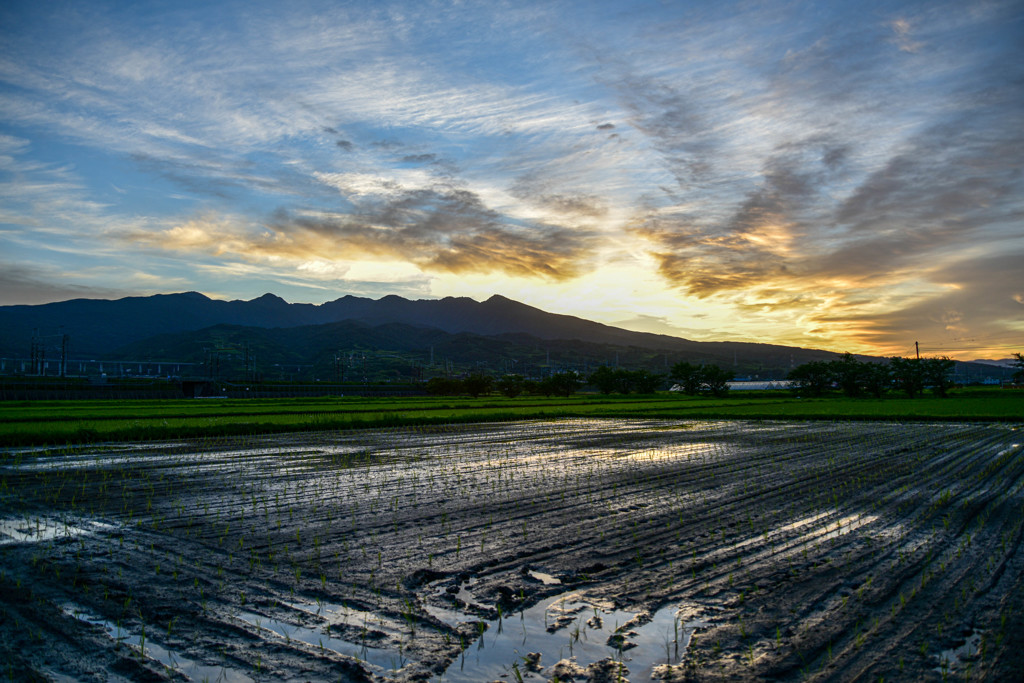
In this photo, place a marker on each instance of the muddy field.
(571, 551)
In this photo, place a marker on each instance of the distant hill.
(98, 326)
(390, 337)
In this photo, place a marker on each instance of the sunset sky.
(838, 175)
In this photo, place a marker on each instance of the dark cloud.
(676, 120)
(445, 229)
(419, 158)
(834, 157)
(581, 205)
(954, 184)
(957, 184)
(606, 126)
(955, 172)
(341, 142)
(760, 240)
(536, 190)
(908, 158)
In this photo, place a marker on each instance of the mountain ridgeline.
(354, 338)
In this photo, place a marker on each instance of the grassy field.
(58, 422)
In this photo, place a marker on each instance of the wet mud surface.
(583, 550)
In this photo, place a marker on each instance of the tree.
(877, 379)
(715, 380)
(850, 374)
(478, 383)
(623, 381)
(646, 382)
(908, 374)
(561, 384)
(811, 379)
(1018, 376)
(686, 376)
(444, 386)
(510, 385)
(604, 379)
(936, 374)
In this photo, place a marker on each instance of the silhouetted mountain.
(168, 323)
(389, 337)
(96, 326)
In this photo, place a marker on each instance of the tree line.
(860, 378)
(692, 380)
(478, 384)
(851, 377)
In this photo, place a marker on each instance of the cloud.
(767, 235)
(536, 189)
(440, 229)
(978, 306)
(20, 284)
(852, 220)
(655, 324)
(419, 158)
(903, 36)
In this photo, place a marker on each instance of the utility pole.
(64, 340)
(37, 360)
(917, 350)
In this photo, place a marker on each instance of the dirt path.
(846, 551)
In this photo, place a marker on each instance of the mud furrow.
(807, 550)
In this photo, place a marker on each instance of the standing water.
(570, 627)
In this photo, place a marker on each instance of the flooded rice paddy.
(579, 550)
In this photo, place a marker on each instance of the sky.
(835, 175)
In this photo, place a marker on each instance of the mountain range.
(398, 335)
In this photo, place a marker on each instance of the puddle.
(37, 529)
(370, 651)
(192, 670)
(570, 626)
(955, 658)
(340, 613)
(450, 616)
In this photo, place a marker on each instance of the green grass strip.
(62, 422)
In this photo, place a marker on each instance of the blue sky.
(833, 175)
